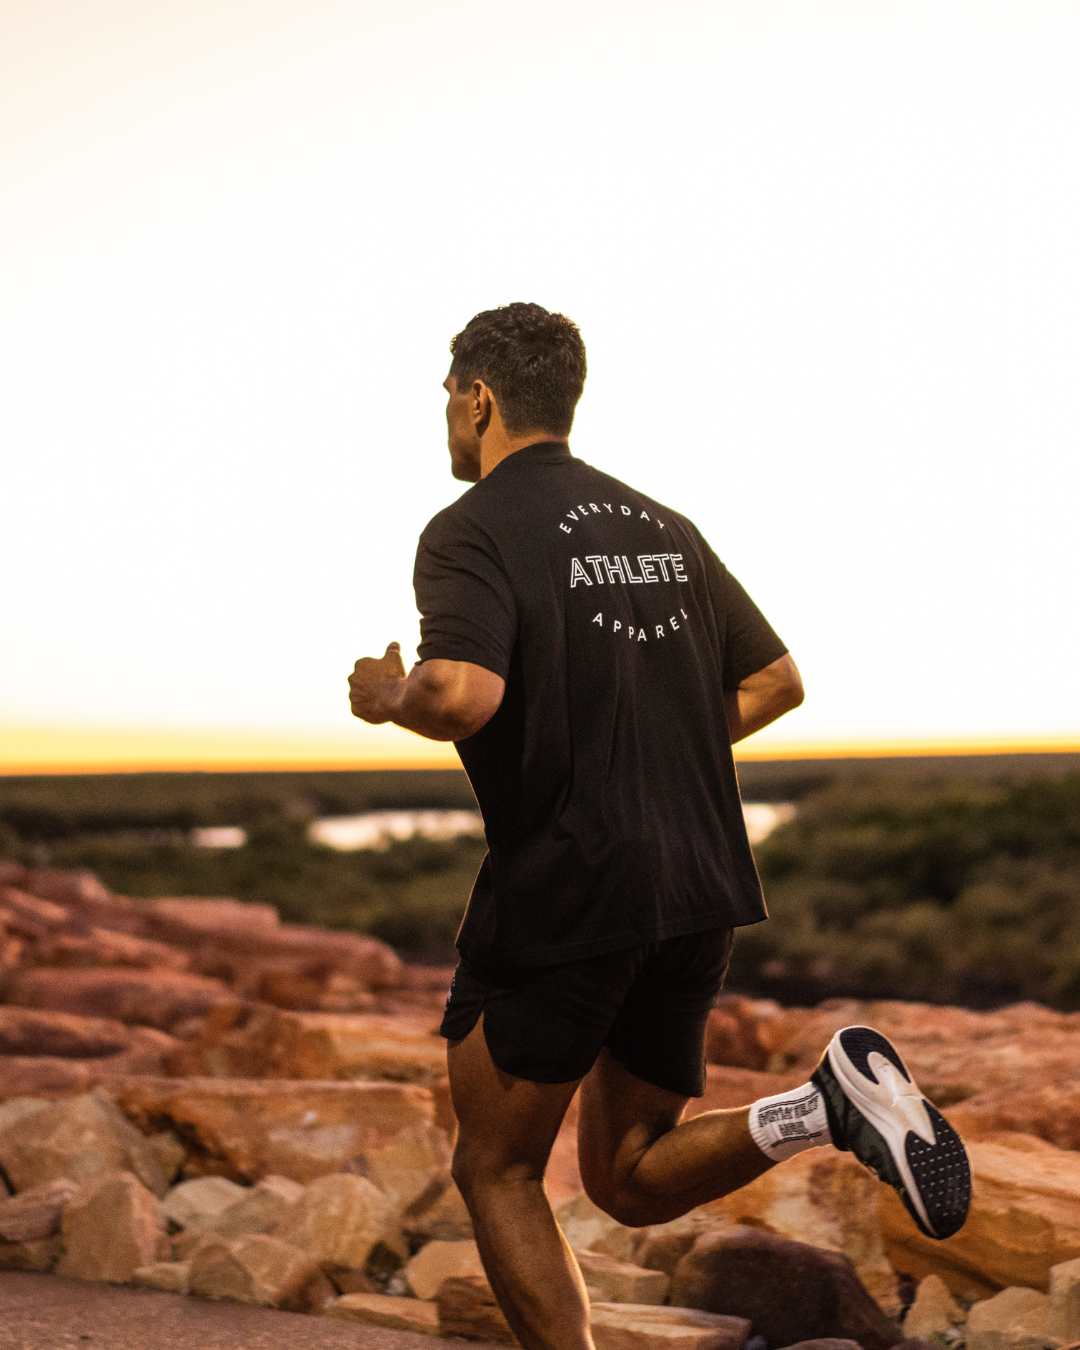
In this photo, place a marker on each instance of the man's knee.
(619, 1203)
(476, 1166)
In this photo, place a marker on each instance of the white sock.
(790, 1122)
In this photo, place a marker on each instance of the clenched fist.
(368, 694)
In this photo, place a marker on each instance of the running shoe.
(877, 1112)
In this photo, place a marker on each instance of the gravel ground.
(46, 1312)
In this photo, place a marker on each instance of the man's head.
(530, 362)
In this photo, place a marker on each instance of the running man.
(593, 661)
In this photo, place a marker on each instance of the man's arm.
(442, 700)
(763, 697)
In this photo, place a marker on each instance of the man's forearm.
(442, 700)
(425, 706)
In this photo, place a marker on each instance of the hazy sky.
(823, 256)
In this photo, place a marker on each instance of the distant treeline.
(40, 808)
(900, 882)
(905, 887)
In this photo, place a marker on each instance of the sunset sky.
(823, 256)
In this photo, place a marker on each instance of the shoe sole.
(877, 1112)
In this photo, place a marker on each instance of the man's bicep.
(751, 644)
(472, 690)
(781, 674)
(467, 609)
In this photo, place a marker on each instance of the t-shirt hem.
(617, 942)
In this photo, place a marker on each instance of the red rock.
(195, 920)
(27, 1031)
(736, 1034)
(13, 873)
(788, 1290)
(30, 916)
(157, 998)
(246, 1129)
(306, 993)
(53, 1076)
(102, 947)
(953, 1053)
(246, 944)
(1024, 1219)
(1050, 1111)
(300, 1045)
(82, 892)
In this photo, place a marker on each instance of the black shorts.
(648, 1005)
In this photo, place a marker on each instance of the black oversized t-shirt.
(606, 778)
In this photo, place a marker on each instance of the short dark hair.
(532, 360)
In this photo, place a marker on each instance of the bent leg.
(642, 1164)
(506, 1129)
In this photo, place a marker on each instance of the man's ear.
(481, 402)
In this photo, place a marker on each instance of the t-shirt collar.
(540, 452)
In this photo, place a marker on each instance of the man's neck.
(496, 445)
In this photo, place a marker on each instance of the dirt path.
(45, 1312)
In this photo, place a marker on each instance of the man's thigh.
(506, 1125)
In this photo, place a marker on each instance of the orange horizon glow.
(28, 751)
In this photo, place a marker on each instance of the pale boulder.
(625, 1326)
(111, 1227)
(339, 1220)
(619, 1282)
(384, 1310)
(81, 1138)
(440, 1212)
(588, 1229)
(438, 1262)
(171, 1276)
(18, 1108)
(260, 1270)
(1016, 1319)
(1024, 1219)
(260, 1209)
(467, 1308)
(194, 1204)
(934, 1312)
(35, 1213)
(1065, 1302)
(169, 1152)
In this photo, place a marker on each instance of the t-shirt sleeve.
(467, 608)
(749, 641)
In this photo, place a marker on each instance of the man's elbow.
(789, 689)
(466, 718)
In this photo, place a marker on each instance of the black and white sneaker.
(877, 1112)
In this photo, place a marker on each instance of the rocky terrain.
(197, 1097)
